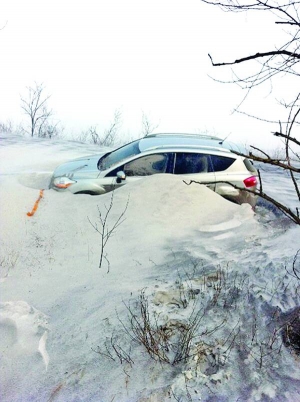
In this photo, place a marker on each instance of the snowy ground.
(211, 276)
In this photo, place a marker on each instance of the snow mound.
(167, 202)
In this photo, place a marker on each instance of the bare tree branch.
(294, 216)
(287, 23)
(282, 60)
(268, 160)
(4, 26)
(256, 56)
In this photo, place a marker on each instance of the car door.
(195, 166)
(139, 167)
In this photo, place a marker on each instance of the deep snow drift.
(214, 279)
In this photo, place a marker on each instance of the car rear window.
(221, 163)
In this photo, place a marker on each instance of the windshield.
(118, 155)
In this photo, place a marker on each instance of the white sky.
(150, 56)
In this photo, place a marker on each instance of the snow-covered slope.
(211, 275)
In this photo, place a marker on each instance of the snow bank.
(186, 249)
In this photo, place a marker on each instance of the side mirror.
(120, 176)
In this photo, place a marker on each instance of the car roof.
(187, 141)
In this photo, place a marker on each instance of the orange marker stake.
(36, 204)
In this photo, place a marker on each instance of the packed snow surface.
(214, 278)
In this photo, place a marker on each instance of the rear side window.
(221, 163)
(186, 163)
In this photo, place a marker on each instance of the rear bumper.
(235, 192)
(243, 197)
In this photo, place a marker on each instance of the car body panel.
(100, 185)
(86, 164)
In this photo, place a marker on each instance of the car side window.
(221, 163)
(186, 163)
(147, 165)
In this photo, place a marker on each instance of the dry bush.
(171, 342)
(114, 351)
(105, 230)
(6, 127)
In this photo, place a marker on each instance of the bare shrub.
(146, 331)
(105, 230)
(6, 127)
(114, 351)
(171, 342)
(261, 346)
(50, 130)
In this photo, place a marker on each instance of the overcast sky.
(150, 56)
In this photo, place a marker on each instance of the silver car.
(205, 159)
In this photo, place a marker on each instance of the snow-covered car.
(205, 159)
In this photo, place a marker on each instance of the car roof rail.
(205, 136)
(189, 147)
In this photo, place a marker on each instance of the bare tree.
(111, 133)
(147, 125)
(109, 136)
(35, 107)
(278, 62)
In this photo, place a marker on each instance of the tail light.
(250, 181)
